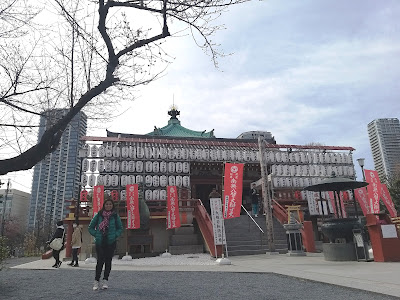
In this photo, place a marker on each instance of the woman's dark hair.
(60, 223)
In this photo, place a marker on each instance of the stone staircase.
(244, 237)
(185, 241)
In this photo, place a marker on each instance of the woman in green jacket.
(106, 227)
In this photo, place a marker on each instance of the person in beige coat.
(76, 244)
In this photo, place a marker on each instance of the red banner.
(132, 206)
(388, 200)
(233, 185)
(173, 220)
(98, 198)
(362, 198)
(374, 189)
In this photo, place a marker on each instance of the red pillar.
(308, 236)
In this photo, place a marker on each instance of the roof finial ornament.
(174, 112)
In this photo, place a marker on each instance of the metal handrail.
(252, 219)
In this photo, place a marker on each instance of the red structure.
(386, 248)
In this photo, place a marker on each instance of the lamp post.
(361, 162)
(82, 154)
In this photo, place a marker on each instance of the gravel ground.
(77, 284)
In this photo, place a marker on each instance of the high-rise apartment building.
(56, 178)
(384, 138)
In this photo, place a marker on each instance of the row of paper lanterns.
(123, 180)
(157, 194)
(132, 166)
(140, 152)
(311, 170)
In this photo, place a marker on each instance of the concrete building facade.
(14, 204)
(384, 137)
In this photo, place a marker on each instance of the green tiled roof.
(174, 128)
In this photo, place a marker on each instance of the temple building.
(194, 162)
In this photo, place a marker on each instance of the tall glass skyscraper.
(384, 138)
(56, 178)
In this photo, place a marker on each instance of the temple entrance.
(202, 192)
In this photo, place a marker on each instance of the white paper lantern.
(102, 151)
(149, 180)
(156, 153)
(171, 153)
(124, 180)
(93, 151)
(85, 165)
(108, 151)
(132, 179)
(139, 152)
(114, 180)
(125, 166)
(213, 154)
(186, 181)
(101, 165)
(92, 180)
(171, 167)
(185, 153)
(139, 166)
(178, 180)
(163, 195)
(123, 195)
(156, 167)
(276, 182)
(186, 167)
(278, 156)
(108, 165)
(100, 180)
(156, 180)
(171, 180)
(163, 153)
(219, 154)
(139, 179)
(284, 157)
(149, 167)
(148, 195)
(178, 154)
(116, 151)
(148, 152)
(93, 165)
(115, 166)
(163, 167)
(178, 167)
(302, 157)
(125, 152)
(132, 152)
(107, 180)
(156, 195)
(163, 180)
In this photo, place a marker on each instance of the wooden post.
(266, 197)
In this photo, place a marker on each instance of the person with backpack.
(254, 200)
(106, 227)
(58, 234)
(76, 244)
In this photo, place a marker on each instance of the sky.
(308, 71)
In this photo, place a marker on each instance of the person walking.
(59, 233)
(76, 244)
(254, 200)
(106, 227)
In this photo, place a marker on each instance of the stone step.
(186, 249)
(184, 239)
(184, 230)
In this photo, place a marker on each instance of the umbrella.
(337, 184)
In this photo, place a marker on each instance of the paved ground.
(77, 284)
(253, 277)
